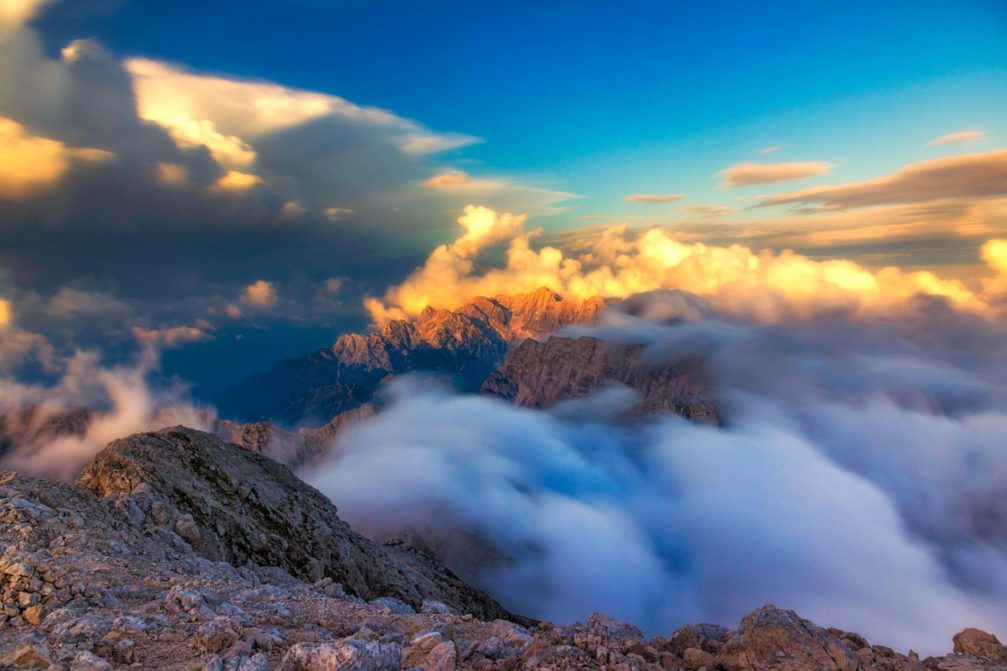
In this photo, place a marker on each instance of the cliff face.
(540, 374)
(465, 344)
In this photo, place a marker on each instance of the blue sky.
(604, 98)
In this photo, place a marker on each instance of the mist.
(858, 478)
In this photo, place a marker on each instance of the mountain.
(176, 551)
(465, 344)
(540, 374)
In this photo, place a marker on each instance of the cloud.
(6, 317)
(710, 211)
(169, 337)
(619, 262)
(122, 401)
(448, 179)
(16, 12)
(967, 176)
(745, 174)
(260, 294)
(498, 191)
(771, 149)
(959, 137)
(226, 115)
(29, 164)
(563, 513)
(654, 199)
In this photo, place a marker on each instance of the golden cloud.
(235, 180)
(260, 294)
(966, 176)
(745, 174)
(959, 137)
(16, 12)
(763, 285)
(29, 163)
(654, 198)
(5, 313)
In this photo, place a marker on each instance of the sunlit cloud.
(16, 12)
(29, 163)
(260, 294)
(764, 285)
(169, 337)
(709, 211)
(227, 115)
(235, 180)
(966, 176)
(959, 137)
(5, 313)
(654, 198)
(745, 174)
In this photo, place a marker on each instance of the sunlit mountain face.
(660, 310)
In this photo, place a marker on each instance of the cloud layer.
(621, 262)
(858, 479)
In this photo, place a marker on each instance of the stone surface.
(248, 509)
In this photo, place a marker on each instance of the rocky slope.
(465, 344)
(153, 563)
(540, 374)
(237, 506)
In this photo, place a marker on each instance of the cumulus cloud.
(619, 262)
(260, 294)
(963, 177)
(959, 137)
(654, 198)
(15, 12)
(745, 174)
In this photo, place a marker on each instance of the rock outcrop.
(465, 344)
(93, 584)
(234, 505)
(540, 374)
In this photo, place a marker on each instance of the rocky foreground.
(175, 550)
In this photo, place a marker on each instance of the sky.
(229, 181)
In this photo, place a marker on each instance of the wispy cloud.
(966, 176)
(654, 198)
(745, 174)
(771, 149)
(959, 137)
(709, 211)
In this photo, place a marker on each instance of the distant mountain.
(465, 344)
(540, 374)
